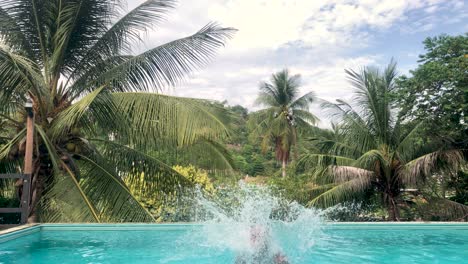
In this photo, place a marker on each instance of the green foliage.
(238, 126)
(109, 149)
(196, 176)
(94, 128)
(459, 183)
(247, 156)
(174, 206)
(8, 199)
(285, 115)
(372, 149)
(438, 88)
(295, 188)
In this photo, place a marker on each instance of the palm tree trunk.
(37, 191)
(444, 187)
(283, 168)
(281, 155)
(393, 211)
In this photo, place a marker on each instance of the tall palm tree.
(97, 116)
(285, 114)
(372, 150)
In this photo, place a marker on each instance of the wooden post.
(28, 165)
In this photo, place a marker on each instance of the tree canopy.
(438, 88)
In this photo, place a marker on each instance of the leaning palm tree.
(285, 114)
(372, 150)
(98, 120)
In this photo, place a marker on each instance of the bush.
(176, 207)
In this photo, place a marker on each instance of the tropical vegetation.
(110, 146)
(285, 115)
(98, 116)
(372, 150)
(177, 205)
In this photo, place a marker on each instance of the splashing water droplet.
(256, 225)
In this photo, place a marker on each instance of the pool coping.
(16, 228)
(23, 230)
(18, 231)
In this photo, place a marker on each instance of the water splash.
(231, 219)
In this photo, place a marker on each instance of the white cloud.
(315, 38)
(431, 9)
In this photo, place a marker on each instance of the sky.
(317, 39)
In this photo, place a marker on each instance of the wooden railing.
(28, 168)
(25, 196)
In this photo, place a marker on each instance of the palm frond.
(6, 148)
(156, 118)
(321, 161)
(209, 155)
(268, 95)
(72, 28)
(18, 75)
(419, 169)
(51, 149)
(122, 36)
(67, 17)
(371, 158)
(303, 102)
(163, 66)
(353, 126)
(447, 209)
(73, 114)
(305, 116)
(336, 147)
(372, 93)
(63, 191)
(65, 202)
(109, 194)
(11, 35)
(341, 192)
(282, 91)
(30, 18)
(319, 189)
(342, 174)
(133, 165)
(287, 86)
(94, 72)
(408, 144)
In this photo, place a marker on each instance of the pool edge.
(17, 228)
(18, 231)
(24, 230)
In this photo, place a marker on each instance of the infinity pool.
(140, 243)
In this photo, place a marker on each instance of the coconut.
(70, 147)
(22, 118)
(78, 149)
(75, 131)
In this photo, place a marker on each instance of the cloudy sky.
(317, 39)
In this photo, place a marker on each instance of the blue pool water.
(335, 243)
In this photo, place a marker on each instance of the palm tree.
(285, 114)
(97, 116)
(372, 150)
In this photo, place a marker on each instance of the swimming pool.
(184, 243)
